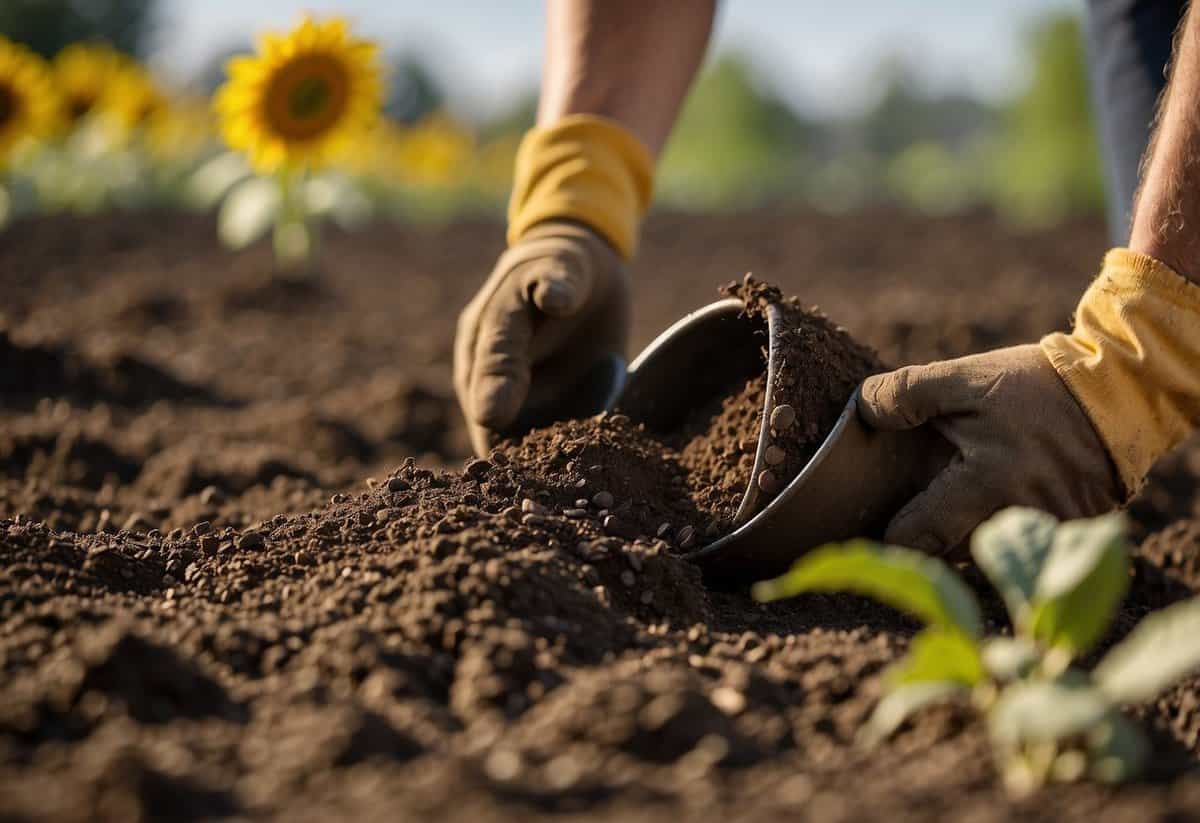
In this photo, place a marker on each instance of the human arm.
(614, 77)
(1073, 424)
(1166, 215)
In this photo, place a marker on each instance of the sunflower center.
(307, 97)
(78, 105)
(9, 104)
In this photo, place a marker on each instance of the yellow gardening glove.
(558, 301)
(1133, 360)
(583, 168)
(1070, 426)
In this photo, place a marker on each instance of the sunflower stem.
(294, 235)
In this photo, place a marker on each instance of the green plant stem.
(295, 255)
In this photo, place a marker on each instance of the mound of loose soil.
(819, 365)
(205, 612)
(684, 486)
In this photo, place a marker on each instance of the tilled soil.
(818, 367)
(247, 570)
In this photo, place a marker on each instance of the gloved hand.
(1021, 438)
(557, 302)
(1070, 426)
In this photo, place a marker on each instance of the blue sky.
(817, 53)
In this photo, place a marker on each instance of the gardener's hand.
(556, 303)
(1021, 437)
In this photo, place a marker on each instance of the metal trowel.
(851, 487)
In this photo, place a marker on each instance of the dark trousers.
(1129, 48)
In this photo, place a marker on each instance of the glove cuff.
(1133, 360)
(584, 168)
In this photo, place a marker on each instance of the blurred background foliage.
(1032, 157)
(49, 26)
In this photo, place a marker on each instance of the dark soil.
(684, 486)
(819, 366)
(246, 572)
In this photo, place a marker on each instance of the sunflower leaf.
(213, 180)
(1039, 710)
(1160, 650)
(902, 702)
(1081, 584)
(1117, 749)
(939, 654)
(1009, 658)
(248, 212)
(1011, 548)
(902, 578)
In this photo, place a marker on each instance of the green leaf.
(1082, 583)
(939, 654)
(904, 579)
(213, 180)
(1045, 711)
(1117, 749)
(1011, 548)
(294, 244)
(339, 198)
(1161, 649)
(902, 702)
(248, 212)
(1009, 658)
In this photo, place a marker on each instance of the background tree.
(1047, 159)
(46, 26)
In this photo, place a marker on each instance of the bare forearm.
(629, 60)
(1166, 217)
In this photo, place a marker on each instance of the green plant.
(1062, 584)
(291, 205)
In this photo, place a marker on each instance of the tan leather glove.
(557, 302)
(1022, 439)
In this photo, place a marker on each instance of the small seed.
(477, 468)
(612, 525)
(767, 481)
(574, 514)
(774, 455)
(783, 417)
(663, 530)
(581, 503)
(397, 484)
(251, 540)
(532, 507)
(728, 700)
(211, 496)
(603, 500)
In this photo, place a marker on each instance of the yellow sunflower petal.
(303, 97)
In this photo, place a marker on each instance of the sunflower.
(179, 131)
(303, 98)
(28, 104)
(85, 74)
(132, 99)
(437, 152)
